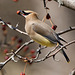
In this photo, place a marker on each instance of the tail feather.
(65, 55)
(62, 39)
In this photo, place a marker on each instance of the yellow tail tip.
(68, 61)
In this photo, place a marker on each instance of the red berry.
(33, 56)
(48, 16)
(54, 27)
(18, 12)
(26, 48)
(22, 73)
(20, 40)
(14, 38)
(3, 28)
(3, 25)
(5, 51)
(15, 0)
(18, 46)
(32, 51)
(6, 57)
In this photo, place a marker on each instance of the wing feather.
(46, 31)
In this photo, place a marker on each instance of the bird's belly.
(42, 40)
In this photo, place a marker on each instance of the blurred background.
(62, 17)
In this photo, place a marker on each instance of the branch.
(14, 54)
(62, 48)
(65, 31)
(39, 52)
(30, 60)
(54, 52)
(72, 72)
(67, 3)
(11, 27)
(36, 60)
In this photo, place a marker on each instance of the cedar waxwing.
(41, 32)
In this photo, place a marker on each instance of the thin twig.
(48, 55)
(65, 31)
(11, 27)
(39, 52)
(54, 52)
(17, 51)
(61, 48)
(44, 3)
(31, 60)
(39, 60)
(67, 3)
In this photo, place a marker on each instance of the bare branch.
(35, 61)
(14, 54)
(68, 3)
(65, 31)
(72, 72)
(54, 52)
(62, 48)
(48, 55)
(11, 27)
(39, 52)
(31, 60)
(44, 3)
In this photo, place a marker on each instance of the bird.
(41, 32)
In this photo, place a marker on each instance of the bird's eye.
(25, 13)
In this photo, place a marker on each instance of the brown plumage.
(41, 32)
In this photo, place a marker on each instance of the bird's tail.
(65, 55)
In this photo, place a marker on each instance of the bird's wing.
(46, 31)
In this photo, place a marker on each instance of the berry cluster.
(15, 43)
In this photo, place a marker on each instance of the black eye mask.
(25, 13)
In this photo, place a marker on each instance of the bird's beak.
(20, 12)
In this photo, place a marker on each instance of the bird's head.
(26, 13)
